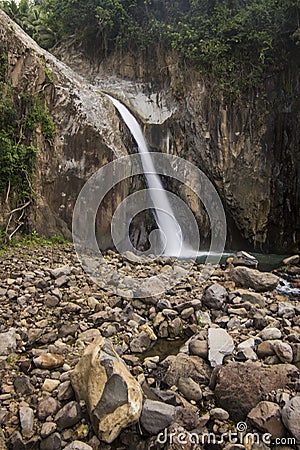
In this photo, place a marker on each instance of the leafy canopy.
(230, 40)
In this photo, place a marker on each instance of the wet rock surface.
(83, 368)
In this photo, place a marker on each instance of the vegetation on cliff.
(237, 42)
(21, 114)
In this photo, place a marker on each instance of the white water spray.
(164, 214)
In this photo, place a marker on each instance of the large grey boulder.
(113, 397)
(251, 278)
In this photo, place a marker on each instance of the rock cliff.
(249, 147)
(86, 132)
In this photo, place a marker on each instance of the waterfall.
(164, 215)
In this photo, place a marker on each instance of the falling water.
(164, 214)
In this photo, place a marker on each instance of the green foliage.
(19, 116)
(16, 159)
(32, 18)
(30, 240)
(236, 43)
(38, 114)
(16, 166)
(34, 239)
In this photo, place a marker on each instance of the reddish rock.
(241, 386)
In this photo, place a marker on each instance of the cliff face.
(249, 149)
(86, 133)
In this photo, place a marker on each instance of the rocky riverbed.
(198, 367)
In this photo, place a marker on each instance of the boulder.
(185, 366)
(240, 386)
(68, 416)
(190, 389)
(291, 260)
(157, 416)
(291, 416)
(214, 296)
(112, 396)
(244, 259)
(266, 416)
(8, 342)
(254, 279)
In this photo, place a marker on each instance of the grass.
(29, 240)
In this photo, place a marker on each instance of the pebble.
(214, 296)
(219, 414)
(8, 342)
(52, 442)
(47, 429)
(47, 407)
(23, 385)
(266, 416)
(284, 351)
(220, 344)
(50, 385)
(77, 445)
(270, 334)
(190, 389)
(26, 420)
(156, 416)
(48, 361)
(69, 415)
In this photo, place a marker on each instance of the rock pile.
(82, 368)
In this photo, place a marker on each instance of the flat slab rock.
(241, 386)
(220, 344)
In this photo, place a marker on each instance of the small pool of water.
(164, 347)
(266, 262)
